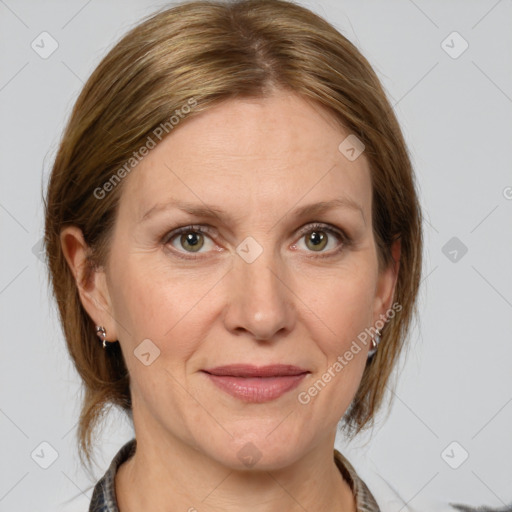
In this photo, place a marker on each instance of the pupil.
(316, 238)
(192, 240)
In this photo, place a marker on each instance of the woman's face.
(252, 283)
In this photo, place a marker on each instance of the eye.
(318, 236)
(189, 239)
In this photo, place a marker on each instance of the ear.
(92, 284)
(386, 283)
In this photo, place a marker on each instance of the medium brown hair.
(214, 51)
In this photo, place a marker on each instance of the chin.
(258, 453)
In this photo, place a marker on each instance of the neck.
(168, 471)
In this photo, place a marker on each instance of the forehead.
(258, 153)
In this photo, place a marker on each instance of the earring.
(375, 343)
(102, 334)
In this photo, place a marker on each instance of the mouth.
(248, 370)
(256, 384)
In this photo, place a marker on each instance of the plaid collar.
(104, 494)
(365, 502)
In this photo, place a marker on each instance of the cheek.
(344, 306)
(153, 301)
(345, 311)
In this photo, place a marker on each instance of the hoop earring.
(102, 334)
(375, 343)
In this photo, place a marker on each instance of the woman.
(234, 242)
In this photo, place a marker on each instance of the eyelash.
(205, 230)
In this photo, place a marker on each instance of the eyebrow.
(211, 211)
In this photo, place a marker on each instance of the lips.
(247, 370)
(255, 384)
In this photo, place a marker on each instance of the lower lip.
(256, 389)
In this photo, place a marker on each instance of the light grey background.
(455, 383)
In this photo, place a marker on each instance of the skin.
(257, 160)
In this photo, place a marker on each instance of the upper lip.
(248, 370)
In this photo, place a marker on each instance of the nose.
(260, 298)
